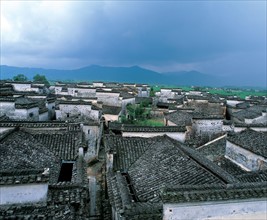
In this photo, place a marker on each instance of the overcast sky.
(214, 37)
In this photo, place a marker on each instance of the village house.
(28, 86)
(175, 132)
(147, 179)
(248, 150)
(143, 90)
(207, 162)
(252, 115)
(111, 98)
(166, 94)
(233, 201)
(71, 109)
(42, 171)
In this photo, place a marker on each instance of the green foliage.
(240, 93)
(137, 112)
(20, 78)
(40, 79)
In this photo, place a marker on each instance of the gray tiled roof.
(207, 194)
(251, 140)
(22, 177)
(214, 150)
(20, 150)
(64, 202)
(121, 199)
(252, 177)
(20, 143)
(112, 110)
(250, 113)
(127, 150)
(134, 128)
(165, 163)
(64, 144)
(180, 118)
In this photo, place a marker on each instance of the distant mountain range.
(134, 74)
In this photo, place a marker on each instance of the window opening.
(65, 172)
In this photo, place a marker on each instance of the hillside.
(134, 74)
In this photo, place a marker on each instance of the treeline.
(36, 79)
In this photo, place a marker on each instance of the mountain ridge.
(132, 74)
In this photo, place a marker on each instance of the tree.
(40, 79)
(20, 78)
(137, 112)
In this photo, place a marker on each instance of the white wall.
(207, 126)
(22, 87)
(26, 193)
(91, 134)
(233, 102)
(44, 116)
(109, 118)
(244, 158)
(75, 110)
(7, 108)
(216, 210)
(111, 99)
(3, 130)
(82, 92)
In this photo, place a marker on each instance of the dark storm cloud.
(160, 34)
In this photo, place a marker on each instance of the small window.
(31, 114)
(89, 131)
(68, 115)
(65, 172)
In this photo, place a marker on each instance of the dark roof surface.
(251, 140)
(23, 177)
(127, 150)
(180, 118)
(250, 113)
(63, 202)
(20, 150)
(133, 128)
(153, 163)
(121, 199)
(112, 110)
(64, 144)
(210, 194)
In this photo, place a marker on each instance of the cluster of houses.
(66, 153)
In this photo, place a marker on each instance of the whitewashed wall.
(26, 193)
(7, 108)
(207, 126)
(22, 87)
(75, 110)
(44, 116)
(244, 158)
(91, 134)
(238, 209)
(111, 99)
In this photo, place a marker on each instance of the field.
(241, 93)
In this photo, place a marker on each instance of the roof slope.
(20, 150)
(64, 144)
(127, 150)
(165, 164)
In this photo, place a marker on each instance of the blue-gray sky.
(214, 37)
